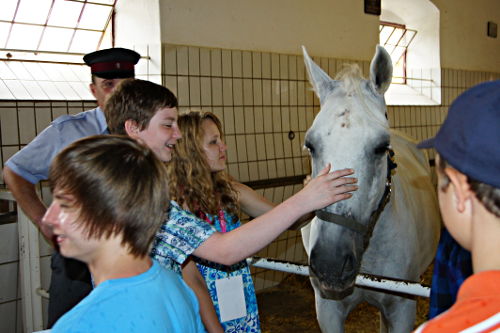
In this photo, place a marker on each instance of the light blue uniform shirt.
(33, 161)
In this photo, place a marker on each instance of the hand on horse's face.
(328, 188)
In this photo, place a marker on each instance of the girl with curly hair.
(200, 184)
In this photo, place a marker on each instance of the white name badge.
(231, 298)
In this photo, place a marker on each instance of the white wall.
(333, 28)
(337, 28)
(464, 44)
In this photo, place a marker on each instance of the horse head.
(350, 131)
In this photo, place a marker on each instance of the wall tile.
(248, 94)
(216, 62)
(266, 65)
(257, 64)
(206, 91)
(194, 60)
(182, 60)
(9, 281)
(237, 91)
(9, 126)
(8, 244)
(237, 64)
(227, 63)
(239, 120)
(228, 120)
(249, 120)
(183, 90)
(194, 91)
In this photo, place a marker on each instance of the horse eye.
(309, 147)
(381, 149)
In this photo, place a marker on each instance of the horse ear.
(381, 70)
(321, 82)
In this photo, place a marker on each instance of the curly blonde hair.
(192, 183)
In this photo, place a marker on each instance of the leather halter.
(351, 224)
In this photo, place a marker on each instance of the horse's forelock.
(351, 76)
(352, 79)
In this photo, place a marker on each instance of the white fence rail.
(362, 280)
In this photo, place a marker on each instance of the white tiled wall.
(260, 98)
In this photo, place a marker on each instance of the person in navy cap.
(70, 280)
(468, 171)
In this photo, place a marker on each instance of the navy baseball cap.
(469, 139)
(115, 63)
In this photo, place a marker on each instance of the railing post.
(29, 267)
(29, 263)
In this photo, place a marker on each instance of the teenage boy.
(468, 170)
(109, 195)
(70, 279)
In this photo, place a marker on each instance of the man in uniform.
(70, 281)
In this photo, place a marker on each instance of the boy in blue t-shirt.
(109, 197)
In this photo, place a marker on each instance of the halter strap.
(341, 220)
(354, 225)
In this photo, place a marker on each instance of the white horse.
(390, 226)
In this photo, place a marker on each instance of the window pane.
(385, 33)
(5, 72)
(51, 90)
(65, 13)
(33, 11)
(82, 90)
(36, 71)
(24, 37)
(408, 37)
(94, 17)
(397, 53)
(67, 73)
(8, 9)
(4, 91)
(34, 90)
(52, 70)
(4, 32)
(106, 2)
(17, 89)
(396, 35)
(56, 39)
(82, 73)
(67, 91)
(85, 41)
(19, 70)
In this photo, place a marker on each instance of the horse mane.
(352, 77)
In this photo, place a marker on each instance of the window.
(42, 43)
(395, 38)
(409, 30)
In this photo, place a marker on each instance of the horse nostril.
(348, 265)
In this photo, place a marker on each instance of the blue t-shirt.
(33, 161)
(154, 301)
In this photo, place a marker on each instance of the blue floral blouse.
(212, 271)
(178, 237)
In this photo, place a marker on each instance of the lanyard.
(222, 219)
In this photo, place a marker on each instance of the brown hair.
(191, 179)
(136, 100)
(119, 187)
(488, 195)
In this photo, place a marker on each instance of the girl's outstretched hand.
(328, 187)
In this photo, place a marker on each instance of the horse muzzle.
(333, 277)
(332, 292)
